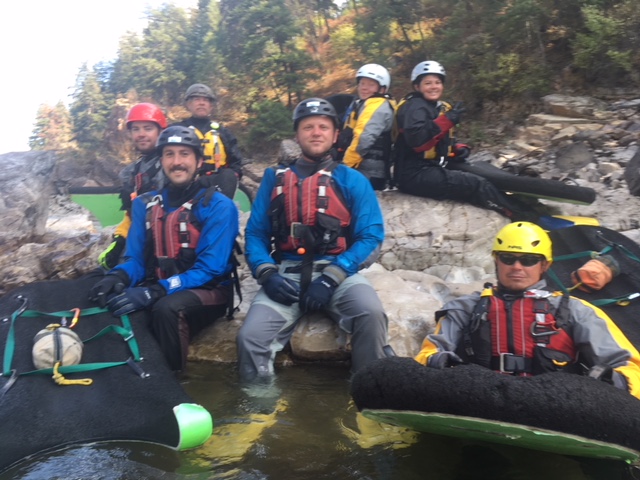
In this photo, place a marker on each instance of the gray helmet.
(179, 135)
(199, 90)
(312, 107)
(429, 67)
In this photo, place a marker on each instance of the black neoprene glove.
(136, 298)
(112, 284)
(605, 373)
(460, 152)
(279, 289)
(318, 294)
(442, 360)
(455, 114)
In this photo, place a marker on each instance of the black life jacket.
(440, 146)
(520, 335)
(146, 176)
(310, 213)
(146, 180)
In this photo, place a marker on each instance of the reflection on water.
(303, 427)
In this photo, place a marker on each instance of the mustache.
(178, 168)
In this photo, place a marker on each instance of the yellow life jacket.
(356, 123)
(212, 146)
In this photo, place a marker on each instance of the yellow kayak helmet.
(524, 237)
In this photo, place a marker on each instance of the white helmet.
(375, 72)
(426, 68)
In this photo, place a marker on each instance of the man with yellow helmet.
(520, 328)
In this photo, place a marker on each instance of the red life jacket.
(174, 237)
(309, 213)
(520, 337)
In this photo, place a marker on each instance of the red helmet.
(147, 112)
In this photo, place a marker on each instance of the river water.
(304, 427)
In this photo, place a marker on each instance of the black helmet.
(314, 106)
(179, 135)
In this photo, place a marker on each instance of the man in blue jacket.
(314, 224)
(179, 255)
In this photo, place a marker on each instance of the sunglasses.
(525, 260)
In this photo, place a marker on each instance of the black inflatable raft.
(556, 412)
(530, 186)
(133, 395)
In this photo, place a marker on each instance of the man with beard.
(314, 224)
(179, 254)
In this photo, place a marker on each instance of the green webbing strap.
(552, 275)
(586, 253)
(11, 344)
(125, 331)
(622, 301)
(67, 313)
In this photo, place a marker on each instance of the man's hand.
(319, 294)
(109, 258)
(280, 289)
(442, 360)
(135, 298)
(111, 284)
(605, 373)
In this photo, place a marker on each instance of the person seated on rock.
(145, 121)
(365, 139)
(425, 145)
(179, 256)
(314, 224)
(520, 328)
(222, 164)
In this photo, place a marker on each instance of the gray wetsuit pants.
(355, 307)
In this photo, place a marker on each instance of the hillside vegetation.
(263, 56)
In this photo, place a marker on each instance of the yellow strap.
(60, 380)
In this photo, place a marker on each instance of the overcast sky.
(43, 44)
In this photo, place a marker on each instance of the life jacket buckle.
(296, 230)
(510, 363)
(548, 330)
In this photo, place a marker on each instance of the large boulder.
(25, 187)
